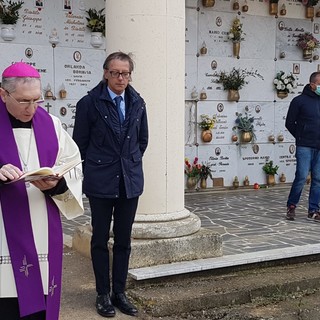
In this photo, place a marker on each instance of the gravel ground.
(190, 296)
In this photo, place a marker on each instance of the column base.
(165, 225)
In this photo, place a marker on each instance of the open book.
(46, 172)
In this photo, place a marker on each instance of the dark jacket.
(303, 119)
(111, 152)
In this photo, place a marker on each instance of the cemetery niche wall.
(267, 44)
(52, 36)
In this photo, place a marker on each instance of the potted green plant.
(9, 16)
(206, 124)
(245, 128)
(96, 22)
(271, 170)
(235, 80)
(307, 42)
(9, 11)
(205, 172)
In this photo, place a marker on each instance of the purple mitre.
(20, 70)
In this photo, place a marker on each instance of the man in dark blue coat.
(111, 130)
(303, 122)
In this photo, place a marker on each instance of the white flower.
(231, 35)
(285, 82)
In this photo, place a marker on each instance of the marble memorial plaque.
(77, 70)
(252, 157)
(220, 156)
(224, 113)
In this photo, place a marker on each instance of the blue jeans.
(308, 159)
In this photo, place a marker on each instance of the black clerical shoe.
(104, 306)
(121, 301)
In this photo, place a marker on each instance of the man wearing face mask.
(303, 122)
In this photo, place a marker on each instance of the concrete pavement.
(252, 224)
(253, 228)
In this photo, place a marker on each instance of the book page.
(46, 172)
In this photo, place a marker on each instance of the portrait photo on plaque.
(39, 3)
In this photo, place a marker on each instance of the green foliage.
(96, 21)
(243, 123)
(9, 11)
(235, 79)
(205, 170)
(269, 168)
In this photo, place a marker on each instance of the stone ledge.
(200, 245)
(176, 296)
(199, 265)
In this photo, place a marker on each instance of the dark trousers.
(9, 310)
(123, 211)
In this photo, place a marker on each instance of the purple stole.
(17, 221)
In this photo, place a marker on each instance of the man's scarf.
(17, 221)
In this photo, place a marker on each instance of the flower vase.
(208, 3)
(273, 8)
(309, 12)
(8, 32)
(271, 180)
(203, 183)
(206, 135)
(282, 94)
(96, 39)
(307, 53)
(236, 48)
(191, 183)
(233, 95)
(246, 137)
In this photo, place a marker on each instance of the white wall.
(266, 36)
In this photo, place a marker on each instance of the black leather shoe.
(104, 306)
(121, 301)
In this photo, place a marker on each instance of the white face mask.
(317, 91)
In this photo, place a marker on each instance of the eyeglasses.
(26, 102)
(117, 74)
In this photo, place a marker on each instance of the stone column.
(153, 31)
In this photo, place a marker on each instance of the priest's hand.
(9, 172)
(47, 183)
